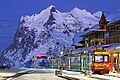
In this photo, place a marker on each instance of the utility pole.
(69, 62)
(52, 63)
(87, 44)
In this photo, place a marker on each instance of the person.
(63, 66)
(115, 67)
(119, 68)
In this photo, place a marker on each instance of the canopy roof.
(113, 46)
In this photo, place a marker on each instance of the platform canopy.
(114, 47)
(107, 47)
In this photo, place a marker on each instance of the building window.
(118, 37)
(115, 39)
(108, 41)
(111, 31)
(114, 29)
(117, 28)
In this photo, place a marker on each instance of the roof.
(74, 55)
(77, 38)
(79, 50)
(113, 46)
(95, 27)
(112, 16)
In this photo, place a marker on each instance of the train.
(100, 62)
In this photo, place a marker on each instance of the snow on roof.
(74, 55)
(114, 46)
(77, 38)
(80, 49)
(114, 19)
(95, 27)
(112, 16)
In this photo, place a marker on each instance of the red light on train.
(96, 65)
(107, 66)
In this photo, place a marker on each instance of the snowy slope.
(47, 32)
(98, 14)
(85, 17)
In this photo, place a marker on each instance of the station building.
(103, 36)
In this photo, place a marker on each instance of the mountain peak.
(52, 8)
(98, 14)
(75, 9)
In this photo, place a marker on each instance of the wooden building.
(95, 35)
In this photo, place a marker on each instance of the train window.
(98, 58)
(105, 58)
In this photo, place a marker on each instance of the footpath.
(8, 74)
(77, 75)
(81, 76)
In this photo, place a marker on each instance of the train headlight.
(107, 66)
(96, 65)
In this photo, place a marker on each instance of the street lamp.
(87, 44)
(61, 56)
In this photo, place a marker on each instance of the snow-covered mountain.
(98, 14)
(47, 32)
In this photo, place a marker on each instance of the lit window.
(98, 58)
(105, 58)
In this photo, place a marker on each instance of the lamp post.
(87, 44)
(70, 61)
(58, 63)
(118, 59)
(52, 63)
(61, 56)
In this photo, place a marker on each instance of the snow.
(110, 16)
(114, 19)
(114, 46)
(63, 39)
(91, 29)
(106, 77)
(70, 72)
(98, 14)
(84, 16)
(77, 38)
(43, 31)
(79, 50)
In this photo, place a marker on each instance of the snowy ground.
(38, 77)
(49, 74)
(80, 75)
(106, 77)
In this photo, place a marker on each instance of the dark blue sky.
(14, 9)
